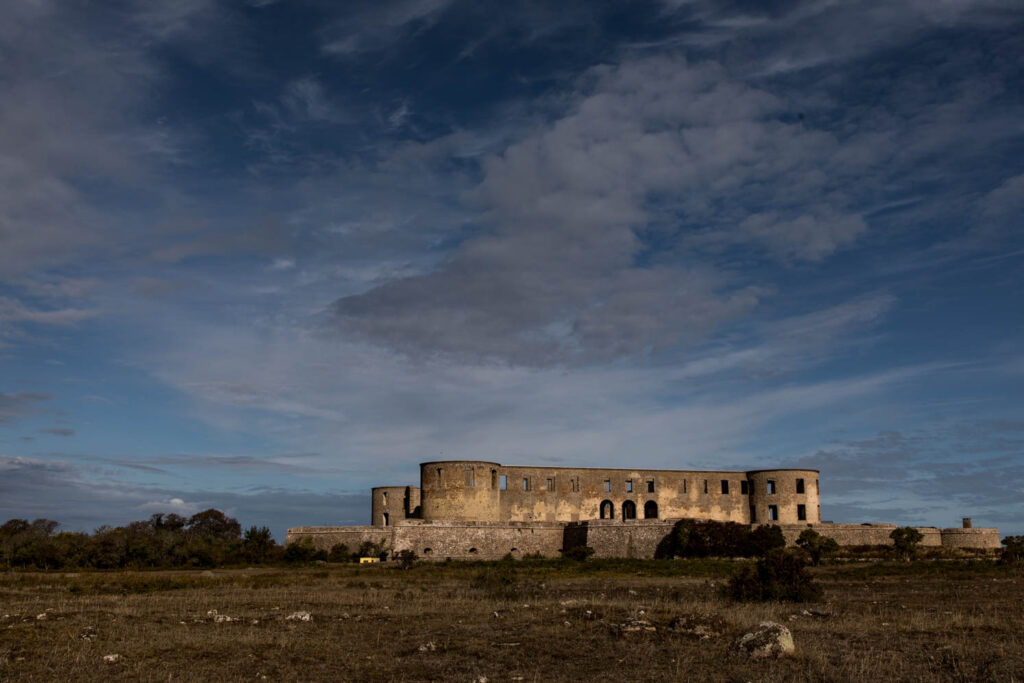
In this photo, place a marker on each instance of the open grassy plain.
(529, 621)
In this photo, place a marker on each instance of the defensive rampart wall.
(878, 534)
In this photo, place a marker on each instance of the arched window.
(629, 510)
(650, 510)
(386, 518)
(607, 510)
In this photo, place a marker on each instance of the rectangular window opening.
(743, 487)
(705, 486)
(470, 477)
(526, 483)
(801, 513)
(684, 486)
(725, 487)
(771, 486)
(799, 485)
(629, 486)
(650, 486)
(607, 485)
(503, 482)
(551, 484)
(773, 513)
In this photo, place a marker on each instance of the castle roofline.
(615, 469)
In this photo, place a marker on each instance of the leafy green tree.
(1013, 550)
(258, 545)
(906, 539)
(816, 545)
(214, 523)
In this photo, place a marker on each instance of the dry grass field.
(543, 621)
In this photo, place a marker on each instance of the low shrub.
(578, 553)
(779, 575)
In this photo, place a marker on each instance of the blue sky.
(262, 256)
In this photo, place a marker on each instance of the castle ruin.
(471, 509)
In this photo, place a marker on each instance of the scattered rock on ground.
(769, 639)
(207, 573)
(701, 626)
(428, 647)
(112, 659)
(634, 625)
(299, 616)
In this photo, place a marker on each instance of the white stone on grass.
(769, 639)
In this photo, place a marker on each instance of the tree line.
(206, 539)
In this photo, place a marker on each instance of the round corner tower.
(460, 490)
(784, 497)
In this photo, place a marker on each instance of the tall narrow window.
(387, 518)
(773, 513)
(650, 486)
(771, 486)
(385, 497)
(503, 481)
(801, 513)
(470, 477)
(753, 514)
(607, 485)
(551, 484)
(705, 486)
(799, 485)
(684, 486)
(526, 483)
(725, 487)
(743, 487)
(629, 486)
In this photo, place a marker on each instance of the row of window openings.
(574, 484)
(607, 510)
(773, 513)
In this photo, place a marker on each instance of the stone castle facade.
(466, 509)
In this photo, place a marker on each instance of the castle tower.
(460, 490)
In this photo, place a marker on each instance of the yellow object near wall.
(368, 560)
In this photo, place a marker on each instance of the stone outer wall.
(639, 538)
(878, 534)
(608, 538)
(326, 537)
(479, 540)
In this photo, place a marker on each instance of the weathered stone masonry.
(477, 509)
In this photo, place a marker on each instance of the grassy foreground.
(542, 621)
